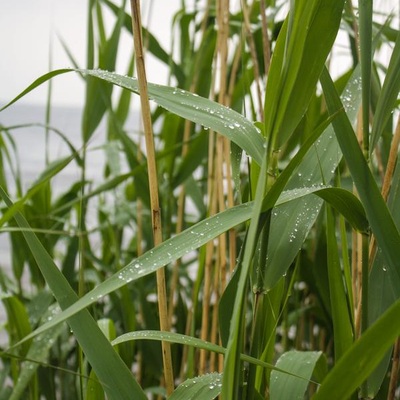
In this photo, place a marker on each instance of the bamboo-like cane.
(153, 184)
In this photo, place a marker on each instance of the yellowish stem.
(153, 184)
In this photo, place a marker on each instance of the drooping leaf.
(299, 363)
(185, 104)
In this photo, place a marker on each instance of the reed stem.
(153, 184)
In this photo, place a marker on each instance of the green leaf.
(178, 338)
(388, 96)
(116, 378)
(365, 34)
(205, 387)
(379, 217)
(296, 65)
(18, 320)
(341, 317)
(348, 205)
(300, 363)
(232, 364)
(185, 104)
(360, 360)
(51, 170)
(291, 222)
(167, 252)
(38, 353)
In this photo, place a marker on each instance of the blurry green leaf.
(151, 43)
(296, 65)
(360, 360)
(18, 320)
(388, 96)
(38, 353)
(51, 170)
(205, 387)
(300, 363)
(116, 379)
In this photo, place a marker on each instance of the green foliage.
(277, 288)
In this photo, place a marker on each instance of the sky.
(29, 28)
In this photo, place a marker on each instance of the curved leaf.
(185, 104)
(348, 205)
(205, 387)
(361, 359)
(300, 363)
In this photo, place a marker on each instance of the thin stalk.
(365, 27)
(364, 298)
(207, 286)
(387, 181)
(253, 53)
(48, 106)
(153, 184)
(214, 320)
(394, 375)
(265, 36)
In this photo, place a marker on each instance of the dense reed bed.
(246, 242)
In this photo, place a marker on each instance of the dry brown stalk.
(153, 184)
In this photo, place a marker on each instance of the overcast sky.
(27, 29)
(29, 26)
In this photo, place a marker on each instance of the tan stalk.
(394, 374)
(179, 227)
(253, 54)
(394, 148)
(153, 184)
(387, 181)
(207, 295)
(214, 321)
(215, 183)
(212, 209)
(221, 206)
(182, 194)
(139, 251)
(358, 245)
(234, 70)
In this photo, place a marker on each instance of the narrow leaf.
(360, 360)
(302, 364)
(379, 217)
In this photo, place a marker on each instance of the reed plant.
(250, 249)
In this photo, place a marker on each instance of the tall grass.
(278, 244)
